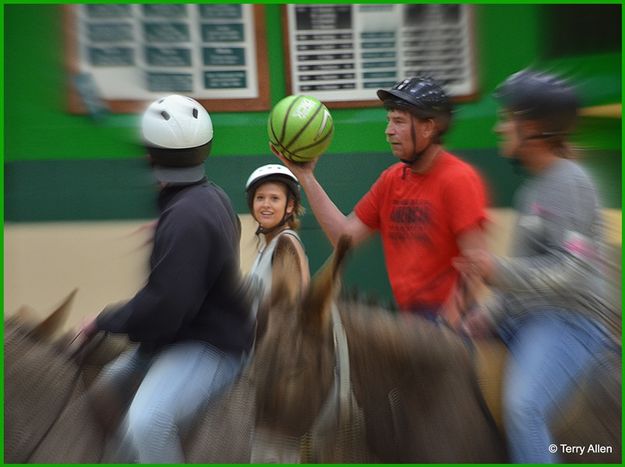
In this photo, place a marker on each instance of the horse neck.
(31, 364)
(387, 349)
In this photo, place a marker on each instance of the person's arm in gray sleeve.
(558, 270)
(563, 236)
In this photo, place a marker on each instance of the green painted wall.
(38, 128)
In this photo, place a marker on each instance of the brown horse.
(382, 387)
(44, 397)
(54, 413)
(350, 383)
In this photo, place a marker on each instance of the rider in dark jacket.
(191, 319)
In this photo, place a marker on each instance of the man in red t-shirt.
(428, 208)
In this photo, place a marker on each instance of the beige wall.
(107, 261)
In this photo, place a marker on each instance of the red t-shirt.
(419, 217)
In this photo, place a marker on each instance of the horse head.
(46, 418)
(25, 321)
(39, 379)
(294, 361)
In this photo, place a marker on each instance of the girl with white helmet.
(274, 200)
(273, 197)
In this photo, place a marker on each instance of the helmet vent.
(165, 115)
(195, 113)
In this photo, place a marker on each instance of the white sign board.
(346, 52)
(141, 52)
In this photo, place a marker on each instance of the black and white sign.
(139, 52)
(346, 52)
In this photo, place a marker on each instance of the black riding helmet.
(547, 98)
(421, 96)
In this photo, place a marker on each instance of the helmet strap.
(285, 218)
(416, 155)
(516, 161)
(533, 132)
(538, 136)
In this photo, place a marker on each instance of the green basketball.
(300, 127)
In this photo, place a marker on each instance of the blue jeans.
(178, 381)
(550, 348)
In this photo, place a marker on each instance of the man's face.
(507, 128)
(399, 133)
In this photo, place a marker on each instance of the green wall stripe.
(62, 190)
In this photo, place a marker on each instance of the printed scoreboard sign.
(212, 52)
(343, 53)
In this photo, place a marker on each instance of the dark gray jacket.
(193, 290)
(557, 250)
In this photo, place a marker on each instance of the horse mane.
(25, 328)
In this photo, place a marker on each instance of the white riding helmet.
(176, 122)
(270, 170)
(178, 133)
